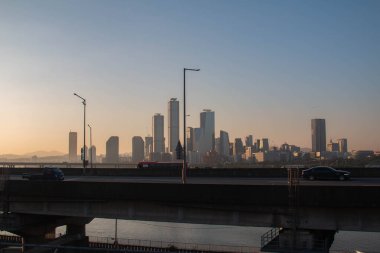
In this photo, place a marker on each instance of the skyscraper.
(148, 146)
(73, 148)
(158, 134)
(257, 145)
(197, 138)
(264, 144)
(173, 124)
(217, 145)
(189, 139)
(137, 149)
(224, 144)
(318, 135)
(238, 149)
(92, 153)
(208, 128)
(332, 146)
(112, 150)
(343, 148)
(249, 141)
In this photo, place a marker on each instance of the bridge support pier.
(79, 231)
(37, 238)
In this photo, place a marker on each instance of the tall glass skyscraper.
(173, 124)
(224, 144)
(158, 133)
(318, 135)
(208, 128)
(343, 148)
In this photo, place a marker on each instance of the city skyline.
(267, 70)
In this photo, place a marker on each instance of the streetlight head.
(191, 69)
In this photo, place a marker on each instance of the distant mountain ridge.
(39, 153)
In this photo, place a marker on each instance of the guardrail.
(269, 236)
(173, 245)
(158, 246)
(102, 242)
(65, 165)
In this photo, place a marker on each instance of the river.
(345, 241)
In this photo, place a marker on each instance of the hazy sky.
(267, 68)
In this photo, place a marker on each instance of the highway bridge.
(317, 208)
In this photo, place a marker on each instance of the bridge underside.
(319, 208)
(350, 219)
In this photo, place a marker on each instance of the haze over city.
(267, 69)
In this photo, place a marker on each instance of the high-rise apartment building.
(208, 128)
(137, 149)
(318, 135)
(332, 146)
(249, 141)
(173, 124)
(73, 146)
(91, 154)
(189, 138)
(238, 149)
(224, 144)
(343, 148)
(197, 139)
(112, 150)
(158, 134)
(148, 146)
(217, 145)
(264, 145)
(257, 145)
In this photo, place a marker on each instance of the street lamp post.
(184, 168)
(84, 132)
(90, 149)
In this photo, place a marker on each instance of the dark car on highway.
(325, 173)
(49, 173)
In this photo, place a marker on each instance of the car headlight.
(346, 174)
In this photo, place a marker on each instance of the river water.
(345, 241)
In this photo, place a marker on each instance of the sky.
(267, 68)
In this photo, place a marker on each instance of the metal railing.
(66, 165)
(269, 236)
(109, 242)
(161, 246)
(175, 245)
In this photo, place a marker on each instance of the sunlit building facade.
(343, 148)
(148, 146)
